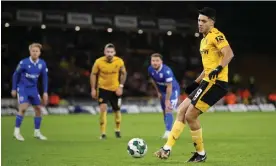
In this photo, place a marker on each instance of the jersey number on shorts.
(174, 103)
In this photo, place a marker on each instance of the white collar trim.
(33, 61)
(160, 68)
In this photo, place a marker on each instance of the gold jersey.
(108, 72)
(210, 49)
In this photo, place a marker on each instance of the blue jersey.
(27, 73)
(163, 76)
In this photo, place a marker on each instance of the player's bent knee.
(182, 109)
(103, 107)
(192, 113)
(22, 108)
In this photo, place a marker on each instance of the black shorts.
(207, 94)
(105, 96)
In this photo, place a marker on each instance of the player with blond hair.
(24, 87)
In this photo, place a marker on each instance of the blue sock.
(37, 122)
(169, 121)
(18, 121)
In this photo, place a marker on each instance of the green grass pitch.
(231, 139)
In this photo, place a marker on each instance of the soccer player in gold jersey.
(207, 89)
(107, 81)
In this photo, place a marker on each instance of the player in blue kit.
(166, 87)
(24, 86)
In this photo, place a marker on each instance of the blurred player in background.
(207, 89)
(107, 80)
(166, 87)
(24, 86)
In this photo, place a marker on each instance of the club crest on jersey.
(40, 66)
(29, 66)
(161, 75)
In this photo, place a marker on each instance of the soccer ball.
(137, 147)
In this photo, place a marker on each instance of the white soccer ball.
(137, 147)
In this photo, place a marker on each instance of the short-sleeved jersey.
(28, 72)
(108, 72)
(210, 49)
(163, 76)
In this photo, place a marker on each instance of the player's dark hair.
(209, 12)
(109, 45)
(157, 55)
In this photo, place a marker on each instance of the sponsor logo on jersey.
(109, 72)
(31, 75)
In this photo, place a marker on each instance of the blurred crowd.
(70, 56)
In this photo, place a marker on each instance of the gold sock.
(118, 119)
(103, 121)
(177, 129)
(198, 140)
